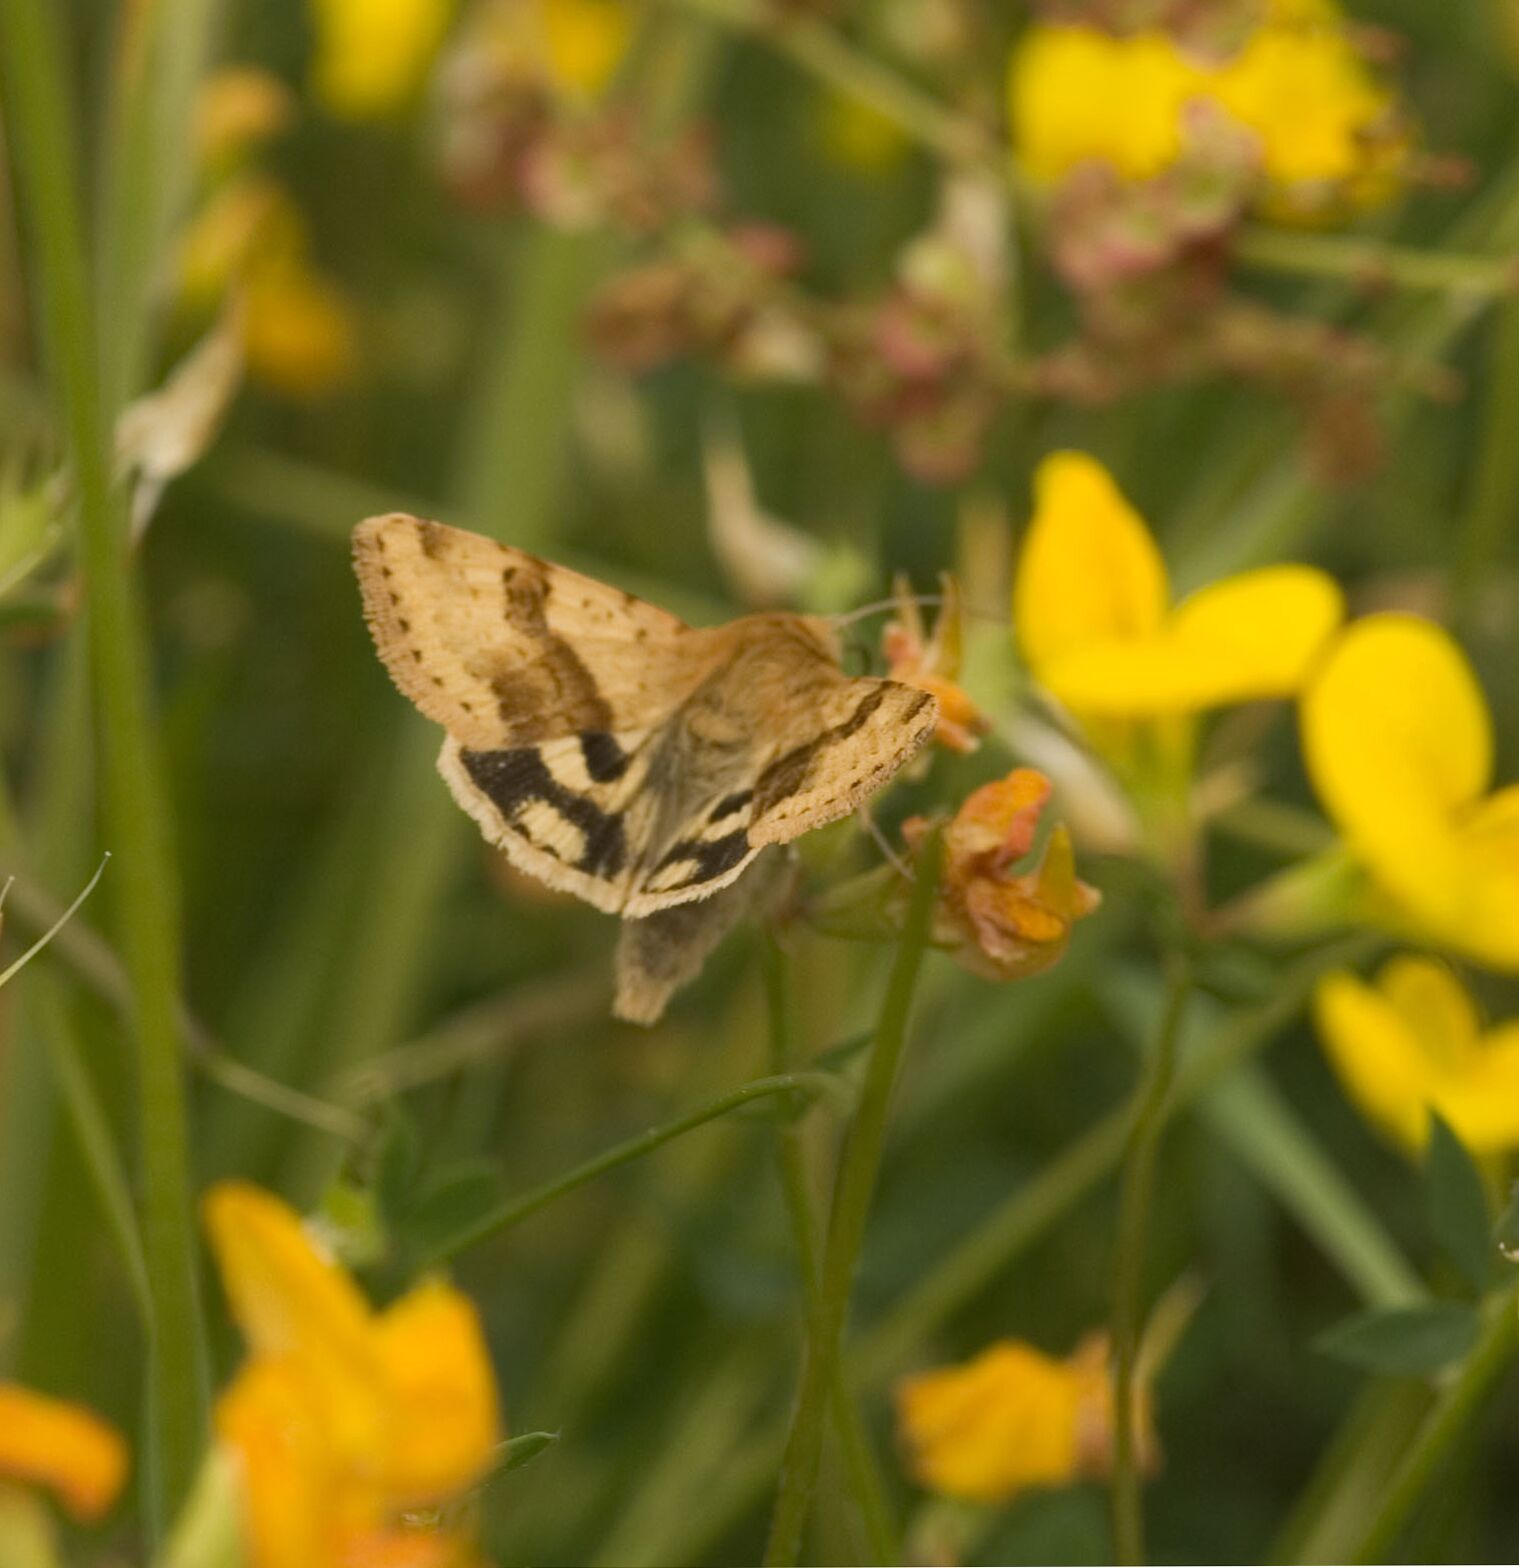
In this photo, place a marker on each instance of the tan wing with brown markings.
(504, 649)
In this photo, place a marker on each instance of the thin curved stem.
(858, 1168)
(1147, 1128)
(518, 1209)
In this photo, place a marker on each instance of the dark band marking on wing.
(788, 774)
(605, 760)
(515, 778)
(520, 698)
(711, 857)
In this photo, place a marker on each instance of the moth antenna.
(849, 617)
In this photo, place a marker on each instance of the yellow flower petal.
(1484, 1109)
(1249, 637)
(442, 1392)
(300, 333)
(586, 41)
(1089, 570)
(62, 1446)
(1489, 912)
(1302, 88)
(286, 1295)
(1435, 1006)
(1397, 740)
(271, 1417)
(985, 1431)
(252, 222)
(1058, 73)
(372, 55)
(1376, 1056)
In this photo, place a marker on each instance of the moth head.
(781, 630)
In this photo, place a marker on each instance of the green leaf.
(523, 1450)
(1403, 1341)
(457, 1202)
(1455, 1202)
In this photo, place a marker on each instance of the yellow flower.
(1059, 73)
(250, 222)
(587, 41)
(343, 1421)
(574, 47)
(1092, 613)
(62, 1446)
(1011, 1419)
(1321, 118)
(1399, 746)
(300, 334)
(1326, 130)
(300, 331)
(1413, 1043)
(372, 55)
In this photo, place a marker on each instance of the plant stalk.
(1453, 1413)
(854, 1442)
(1137, 1185)
(858, 1168)
(39, 118)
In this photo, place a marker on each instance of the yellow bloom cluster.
(1093, 615)
(372, 56)
(1413, 1043)
(344, 1422)
(1327, 131)
(1398, 743)
(300, 331)
(1011, 1419)
(1098, 632)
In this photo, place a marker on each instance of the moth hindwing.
(607, 747)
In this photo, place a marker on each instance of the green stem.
(36, 100)
(1138, 1180)
(515, 449)
(858, 1168)
(806, 1233)
(1493, 510)
(518, 1209)
(1373, 263)
(1452, 1414)
(161, 50)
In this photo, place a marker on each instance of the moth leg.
(872, 827)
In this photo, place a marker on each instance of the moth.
(613, 751)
